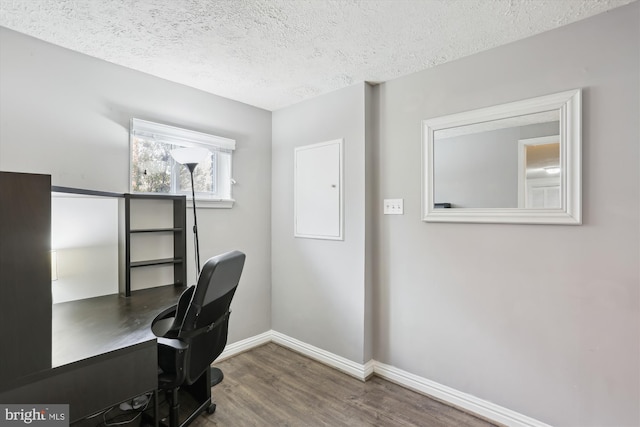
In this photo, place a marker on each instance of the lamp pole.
(196, 243)
(190, 157)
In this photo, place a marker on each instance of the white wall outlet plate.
(393, 206)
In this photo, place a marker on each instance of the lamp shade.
(189, 155)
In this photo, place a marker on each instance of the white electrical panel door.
(318, 195)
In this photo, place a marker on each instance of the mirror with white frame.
(512, 163)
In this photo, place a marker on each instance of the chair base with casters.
(192, 334)
(199, 392)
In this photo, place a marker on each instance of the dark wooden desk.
(103, 353)
(94, 326)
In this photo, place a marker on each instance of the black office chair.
(193, 333)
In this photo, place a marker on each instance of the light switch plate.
(393, 206)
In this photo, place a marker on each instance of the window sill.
(211, 203)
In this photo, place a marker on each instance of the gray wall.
(543, 320)
(319, 286)
(67, 114)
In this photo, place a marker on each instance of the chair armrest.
(171, 360)
(163, 322)
(173, 343)
(167, 312)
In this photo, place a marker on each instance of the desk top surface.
(94, 326)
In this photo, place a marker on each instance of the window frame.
(173, 135)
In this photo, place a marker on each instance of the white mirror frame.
(569, 105)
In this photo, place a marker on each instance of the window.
(153, 170)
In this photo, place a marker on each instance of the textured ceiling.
(273, 53)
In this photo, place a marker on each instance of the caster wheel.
(211, 409)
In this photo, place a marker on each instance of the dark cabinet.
(25, 274)
(174, 206)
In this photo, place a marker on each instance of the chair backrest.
(206, 320)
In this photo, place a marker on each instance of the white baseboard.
(456, 398)
(340, 363)
(464, 401)
(359, 371)
(244, 345)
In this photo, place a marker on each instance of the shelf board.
(160, 261)
(156, 230)
(82, 191)
(159, 196)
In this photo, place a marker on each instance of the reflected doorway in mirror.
(539, 177)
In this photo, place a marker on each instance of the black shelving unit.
(179, 239)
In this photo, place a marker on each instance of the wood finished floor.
(273, 386)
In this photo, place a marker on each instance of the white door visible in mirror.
(516, 162)
(539, 171)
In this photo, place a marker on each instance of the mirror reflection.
(508, 163)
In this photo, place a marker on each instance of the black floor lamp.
(190, 157)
